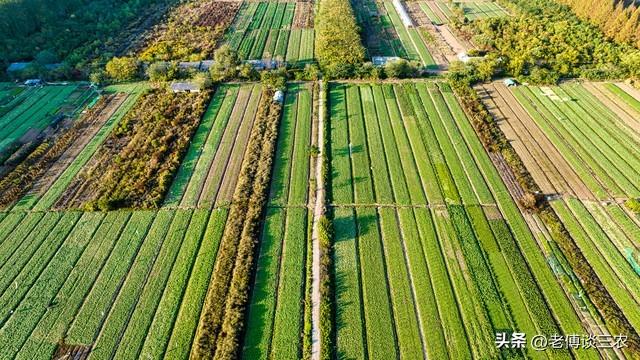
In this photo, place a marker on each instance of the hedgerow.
(494, 140)
(222, 319)
(338, 46)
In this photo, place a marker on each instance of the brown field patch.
(303, 16)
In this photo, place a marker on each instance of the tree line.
(545, 41)
(619, 19)
(338, 46)
(69, 30)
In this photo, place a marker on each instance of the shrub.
(338, 45)
(633, 205)
(400, 69)
(122, 69)
(225, 64)
(162, 71)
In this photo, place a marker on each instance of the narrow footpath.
(318, 211)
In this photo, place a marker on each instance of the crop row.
(128, 170)
(52, 195)
(431, 125)
(616, 173)
(222, 129)
(275, 305)
(410, 37)
(263, 31)
(23, 177)
(124, 282)
(494, 140)
(222, 318)
(35, 115)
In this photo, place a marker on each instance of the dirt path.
(629, 90)
(451, 40)
(318, 211)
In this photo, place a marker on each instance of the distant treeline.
(69, 30)
(619, 19)
(545, 41)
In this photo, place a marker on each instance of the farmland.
(386, 35)
(191, 32)
(469, 9)
(577, 142)
(113, 279)
(26, 112)
(276, 311)
(422, 233)
(267, 30)
(319, 180)
(130, 284)
(39, 180)
(208, 174)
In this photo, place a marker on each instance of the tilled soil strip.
(508, 123)
(230, 178)
(620, 108)
(562, 174)
(56, 169)
(216, 168)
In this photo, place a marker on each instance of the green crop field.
(320, 180)
(590, 136)
(276, 311)
(471, 10)
(208, 173)
(130, 283)
(423, 228)
(388, 36)
(44, 200)
(31, 110)
(266, 30)
(592, 128)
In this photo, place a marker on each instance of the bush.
(122, 69)
(633, 205)
(274, 79)
(225, 66)
(338, 46)
(401, 69)
(162, 71)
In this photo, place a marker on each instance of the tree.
(400, 69)
(274, 79)
(46, 57)
(122, 69)
(162, 71)
(338, 46)
(225, 64)
(202, 80)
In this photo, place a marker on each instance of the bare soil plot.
(303, 16)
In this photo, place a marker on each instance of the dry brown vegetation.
(303, 17)
(136, 163)
(191, 32)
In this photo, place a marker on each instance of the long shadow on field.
(347, 273)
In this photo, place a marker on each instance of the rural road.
(318, 211)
